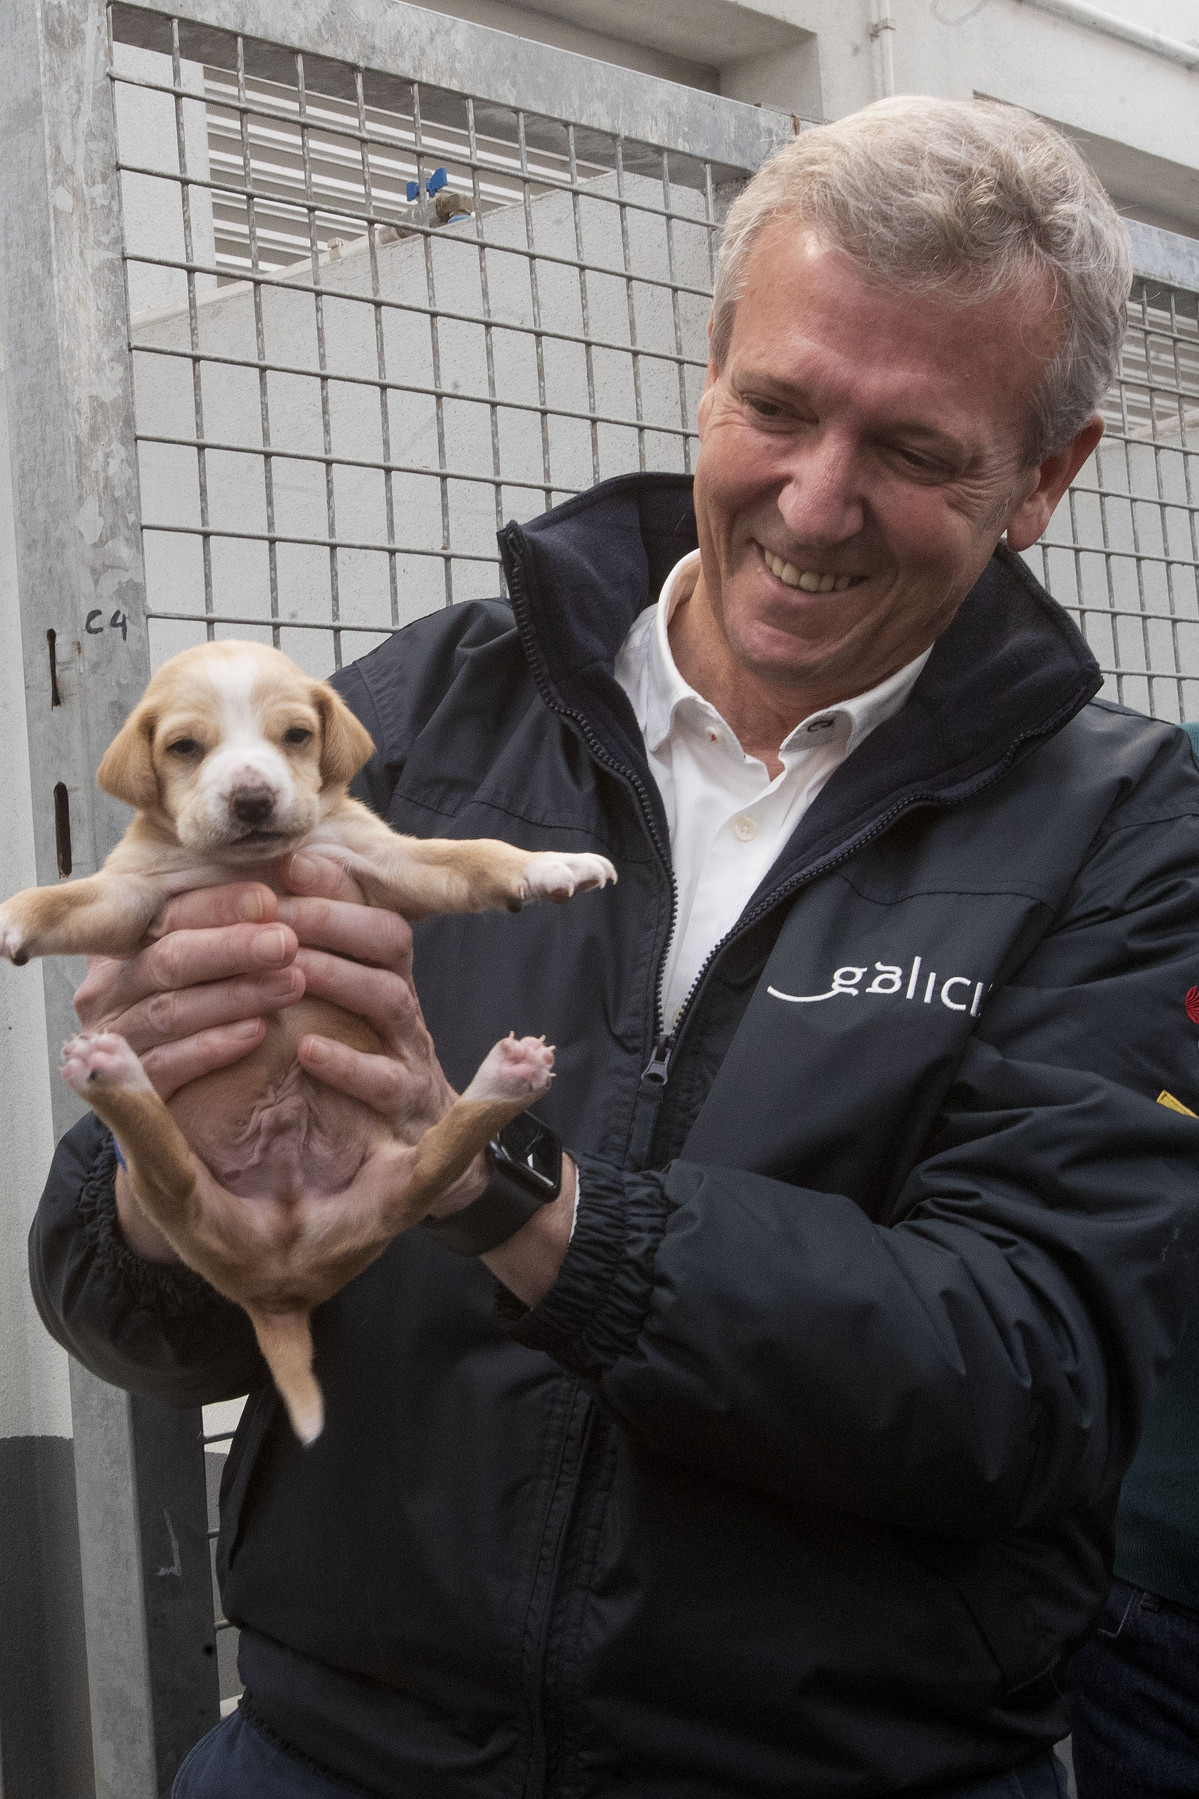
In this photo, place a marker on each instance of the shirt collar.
(668, 696)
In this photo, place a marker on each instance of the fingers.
(242, 902)
(93, 993)
(189, 958)
(167, 1017)
(320, 876)
(366, 933)
(173, 1065)
(410, 1098)
(383, 998)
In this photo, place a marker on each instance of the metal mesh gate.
(371, 319)
(1122, 551)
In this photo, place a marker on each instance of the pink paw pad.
(100, 1059)
(517, 1068)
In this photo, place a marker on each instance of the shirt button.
(745, 828)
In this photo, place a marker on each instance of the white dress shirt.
(728, 819)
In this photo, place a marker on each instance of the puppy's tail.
(285, 1339)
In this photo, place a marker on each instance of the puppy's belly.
(264, 1127)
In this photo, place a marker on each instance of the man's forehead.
(810, 319)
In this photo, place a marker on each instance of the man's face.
(862, 451)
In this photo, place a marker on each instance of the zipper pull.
(657, 1069)
(649, 1097)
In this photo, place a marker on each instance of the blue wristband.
(116, 1150)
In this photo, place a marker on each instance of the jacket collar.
(1009, 671)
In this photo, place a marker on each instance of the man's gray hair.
(962, 200)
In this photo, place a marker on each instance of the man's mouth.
(810, 580)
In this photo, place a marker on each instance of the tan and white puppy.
(276, 1188)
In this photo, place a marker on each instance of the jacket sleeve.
(982, 1358)
(152, 1329)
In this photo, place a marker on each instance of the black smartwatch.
(526, 1174)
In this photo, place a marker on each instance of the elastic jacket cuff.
(169, 1289)
(593, 1314)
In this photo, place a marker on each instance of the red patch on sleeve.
(1192, 1005)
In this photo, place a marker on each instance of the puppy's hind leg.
(104, 1071)
(513, 1074)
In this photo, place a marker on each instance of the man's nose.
(252, 805)
(822, 502)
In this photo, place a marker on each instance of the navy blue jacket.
(800, 1479)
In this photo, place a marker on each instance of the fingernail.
(270, 946)
(302, 871)
(245, 1029)
(250, 906)
(315, 1050)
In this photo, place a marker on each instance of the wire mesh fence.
(370, 320)
(1122, 552)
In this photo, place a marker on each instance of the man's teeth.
(806, 578)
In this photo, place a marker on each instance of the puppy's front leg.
(100, 915)
(420, 877)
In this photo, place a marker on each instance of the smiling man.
(782, 1459)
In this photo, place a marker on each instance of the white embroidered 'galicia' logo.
(953, 992)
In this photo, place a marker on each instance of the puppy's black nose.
(252, 805)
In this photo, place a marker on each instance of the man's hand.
(223, 958)
(194, 999)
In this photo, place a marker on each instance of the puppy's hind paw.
(101, 1059)
(553, 876)
(517, 1068)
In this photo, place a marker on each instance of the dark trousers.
(1136, 1701)
(235, 1762)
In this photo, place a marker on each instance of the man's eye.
(297, 735)
(183, 747)
(765, 409)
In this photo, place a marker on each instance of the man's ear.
(345, 744)
(1054, 476)
(127, 768)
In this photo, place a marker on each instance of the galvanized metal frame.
(139, 1467)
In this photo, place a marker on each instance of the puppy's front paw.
(553, 876)
(16, 938)
(517, 1068)
(101, 1059)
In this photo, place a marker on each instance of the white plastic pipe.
(882, 29)
(1077, 12)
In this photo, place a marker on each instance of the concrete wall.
(1132, 111)
(235, 482)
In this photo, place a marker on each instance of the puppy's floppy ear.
(345, 744)
(127, 768)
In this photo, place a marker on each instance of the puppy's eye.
(185, 747)
(297, 735)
